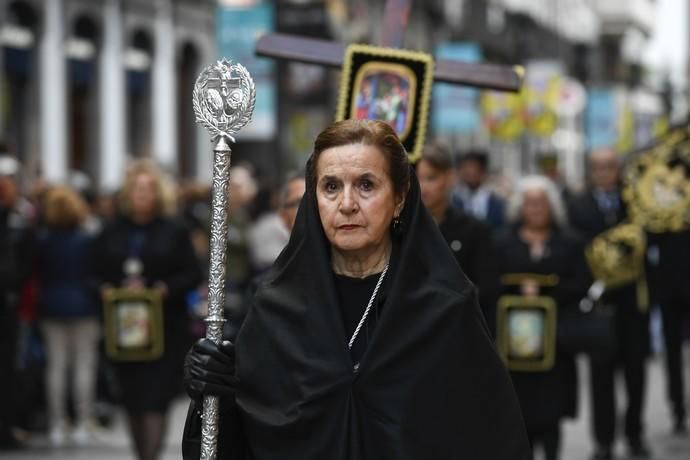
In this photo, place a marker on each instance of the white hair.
(535, 182)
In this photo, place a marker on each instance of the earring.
(396, 226)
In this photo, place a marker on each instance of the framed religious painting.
(391, 85)
(133, 324)
(526, 332)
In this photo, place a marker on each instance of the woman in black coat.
(538, 243)
(365, 342)
(144, 249)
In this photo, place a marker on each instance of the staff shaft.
(216, 283)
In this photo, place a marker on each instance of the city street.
(114, 444)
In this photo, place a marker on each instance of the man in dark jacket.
(596, 210)
(668, 265)
(472, 195)
(469, 238)
(15, 266)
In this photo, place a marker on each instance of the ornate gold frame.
(420, 96)
(111, 302)
(656, 190)
(511, 302)
(611, 265)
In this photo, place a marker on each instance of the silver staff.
(224, 96)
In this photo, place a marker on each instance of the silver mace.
(224, 97)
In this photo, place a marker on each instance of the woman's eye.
(330, 187)
(366, 185)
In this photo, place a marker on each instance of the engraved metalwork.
(616, 257)
(224, 97)
(657, 184)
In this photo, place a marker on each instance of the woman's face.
(536, 210)
(355, 196)
(434, 184)
(143, 196)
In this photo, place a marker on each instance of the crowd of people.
(63, 250)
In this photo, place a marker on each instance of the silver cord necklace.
(368, 309)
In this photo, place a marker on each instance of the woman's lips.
(348, 227)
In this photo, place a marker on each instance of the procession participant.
(468, 238)
(271, 231)
(367, 341)
(143, 248)
(471, 193)
(668, 259)
(16, 261)
(594, 211)
(539, 244)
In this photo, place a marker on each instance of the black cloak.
(429, 386)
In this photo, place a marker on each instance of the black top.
(589, 217)
(472, 245)
(430, 384)
(353, 298)
(17, 247)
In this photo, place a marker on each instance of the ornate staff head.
(224, 97)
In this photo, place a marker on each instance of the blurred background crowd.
(105, 183)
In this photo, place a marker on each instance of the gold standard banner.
(657, 183)
(224, 97)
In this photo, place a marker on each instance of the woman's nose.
(348, 205)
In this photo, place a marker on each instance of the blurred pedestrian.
(596, 210)
(16, 262)
(668, 263)
(144, 248)
(547, 164)
(469, 238)
(473, 195)
(239, 271)
(69, 313)
(270, 233)
(537, 245)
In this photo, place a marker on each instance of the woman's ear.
(400, 202)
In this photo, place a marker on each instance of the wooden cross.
(396, 15)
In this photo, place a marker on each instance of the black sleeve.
(487, 279)
(99, 265)
(576, 277)
(232, 443)
(19, 263)
(187, 273)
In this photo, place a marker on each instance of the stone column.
(163, 85)
(113, 136)
(54, 161)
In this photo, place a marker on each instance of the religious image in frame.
(391, 85)
(133, 322)
(526, 332)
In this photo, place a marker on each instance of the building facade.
(89, 84)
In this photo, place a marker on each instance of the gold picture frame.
(133, 324)
(388, 84)
(526, 332)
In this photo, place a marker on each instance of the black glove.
(209, 369)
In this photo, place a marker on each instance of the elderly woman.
(537, 244)
(145, 249)
(367, 341)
